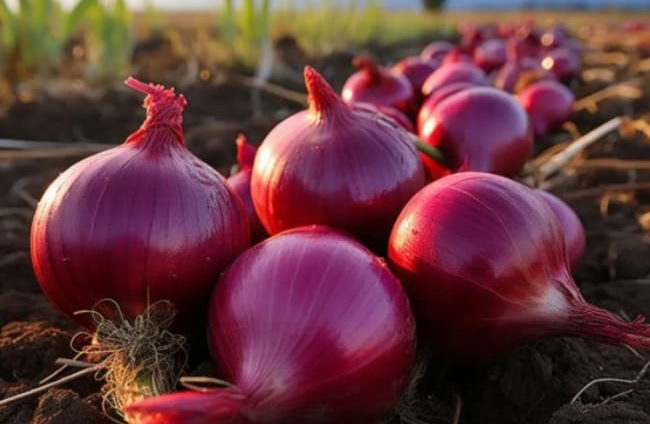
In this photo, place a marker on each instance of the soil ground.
(532, 385)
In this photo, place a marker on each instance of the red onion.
(451, 73)
(241, 183)
(514, 76)
(416, 69)
(563, 63)
(490, 54)
(146, 216)
(335, 164)
(437, 50)
(436, 98)
(549, 104)
(480, 129)
(379, 86)
(141, 222)
(308, 327)
(484, 262)
(572, 229)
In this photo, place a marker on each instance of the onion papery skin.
(336, 165)
(484, 262)
(309, 327)
(241, 183)
(572, 228)
(379, 86)
(143, 221)
(451, 73)
(480, 129)
(549, 104)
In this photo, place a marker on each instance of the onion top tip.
(368, 65)
(321, 95)
(162, 104)
(245, 153)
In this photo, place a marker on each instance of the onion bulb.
(335, 164)
(548, 103)
(306, 327)
(379, 86)
(484, 261)
(137, 233)
(480, 129)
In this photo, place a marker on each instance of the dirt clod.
(61, 406)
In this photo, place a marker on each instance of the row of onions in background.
(310, 325)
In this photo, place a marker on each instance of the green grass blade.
(9, 26)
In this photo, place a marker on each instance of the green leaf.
(74, 18)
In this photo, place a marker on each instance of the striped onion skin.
(308, 327)
(144, 221)
(337, 165)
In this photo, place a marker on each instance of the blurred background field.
(103, 41)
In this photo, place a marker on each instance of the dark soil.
(532, 385)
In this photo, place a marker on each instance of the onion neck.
(369, 67)
(210, 406)
(323, 100)
(164, 114)
(245, 153)
(590, 322)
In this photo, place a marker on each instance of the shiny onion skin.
(480, 129)
(484, 262)
(309, 327)
(241, 183)
(572, 229)
(378, 86)
(451, 73)
(549, 104)
(145, 220)
(335, 164)
(436, 98)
